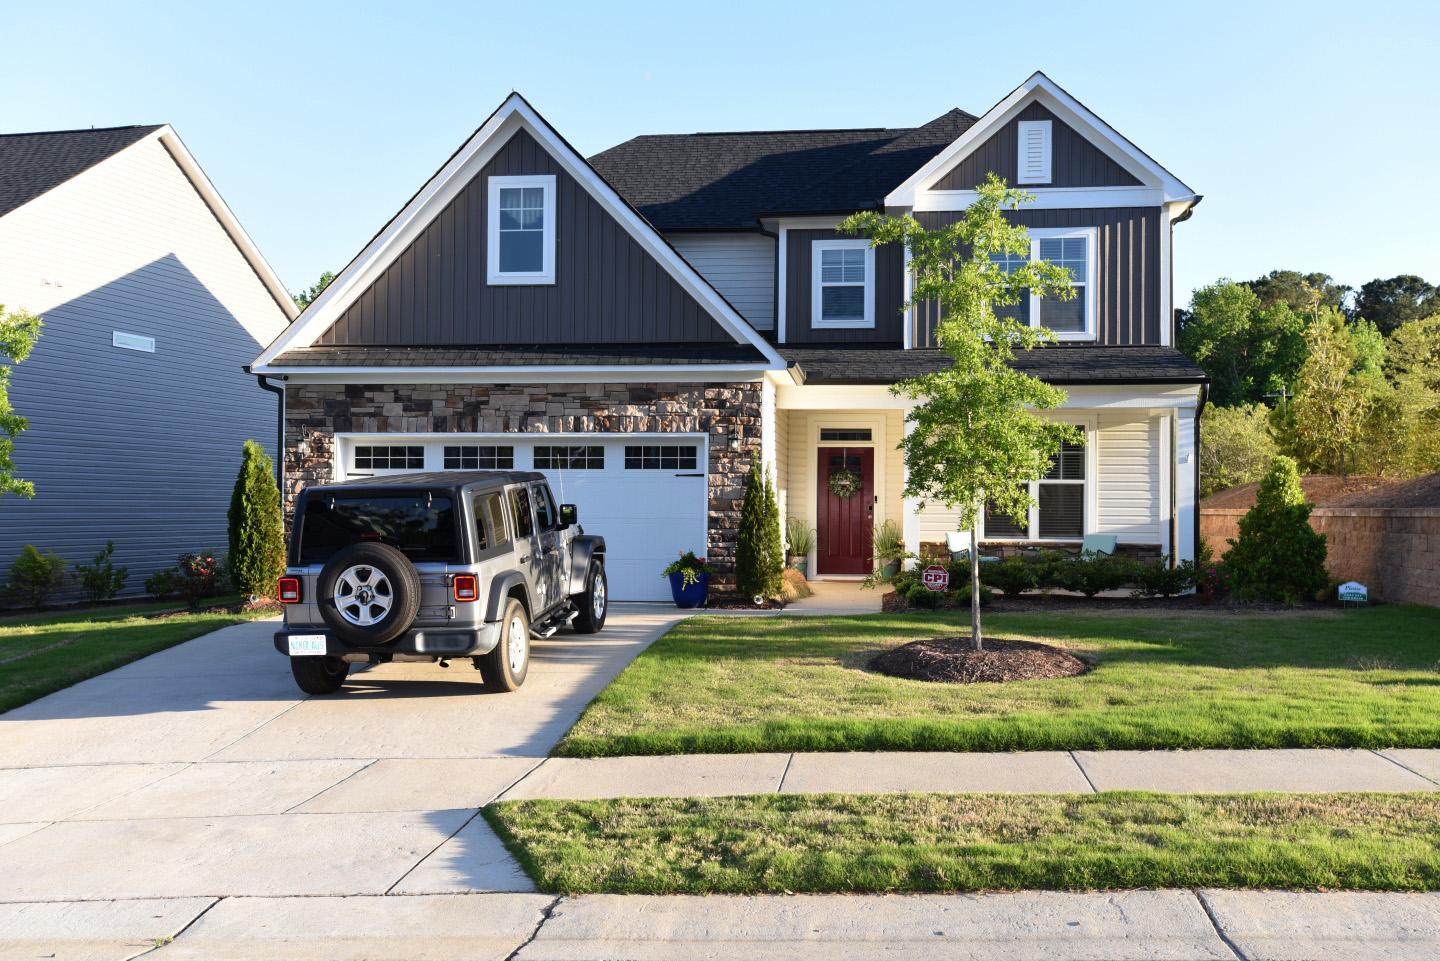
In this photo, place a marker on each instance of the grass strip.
(975, 842)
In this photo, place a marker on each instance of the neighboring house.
(643, 325)
(154, 299)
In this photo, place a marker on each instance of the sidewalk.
(1174, 925)
(1043, 772)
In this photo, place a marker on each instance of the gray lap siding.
(315, 413)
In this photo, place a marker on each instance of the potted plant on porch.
(801, 538)
(689, 580)
(889, 548)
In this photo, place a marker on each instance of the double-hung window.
(843, 284)
(1059, 508)
(521, 230)
(1072, 248)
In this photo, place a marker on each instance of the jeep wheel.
(505, 667)
(319, 675)
(593, 603)
(369, 593)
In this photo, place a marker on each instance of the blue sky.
(1311, 129)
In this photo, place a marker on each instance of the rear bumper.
(424, 641)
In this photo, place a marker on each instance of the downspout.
(279, 392)
(1199, 409)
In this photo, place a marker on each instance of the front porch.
(1133, 478)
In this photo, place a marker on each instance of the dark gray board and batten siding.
(1075, 161)
(889, 294)
(1127, 270)
(607, 290)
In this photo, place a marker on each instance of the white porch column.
(768, 427)
(1187, 455)
(910, 527)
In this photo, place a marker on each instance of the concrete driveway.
(203, 772)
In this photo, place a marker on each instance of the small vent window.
(844, 433)
(660, 457)
(581, 457)
(389, 457)
(476, 457)
(1035, 153)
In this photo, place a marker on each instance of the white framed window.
(388, 458)
(520, 239)
(1034, 164)
(843, 284)
(1074, 249)
(1062, 506)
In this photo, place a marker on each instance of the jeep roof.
(435, 480)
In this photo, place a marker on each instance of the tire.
(593, 603)
(499, 667)
(379, 616)
(319, 675)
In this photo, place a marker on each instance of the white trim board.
(511, 116)
(1041, 88)
(571, 374)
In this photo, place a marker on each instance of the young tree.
(975, 435)
(1278, 555)
(1249, 349)
(1235, 446)
(1326, 426)
(1412, 365)
(307, 297)
(257, 528)
(19, 331)
(1303, 293)
(759, 553)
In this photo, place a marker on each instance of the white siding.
(740, 265)
(1128, 496)
(138, 447)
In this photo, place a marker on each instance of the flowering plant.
(199, 574)
(689, 567)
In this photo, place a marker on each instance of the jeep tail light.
(466, 587)
(289, 592)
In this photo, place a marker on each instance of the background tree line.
(1344, 381)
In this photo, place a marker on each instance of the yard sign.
(936, 578)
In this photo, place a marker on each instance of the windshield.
(421, 526)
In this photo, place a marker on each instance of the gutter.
(279, 392)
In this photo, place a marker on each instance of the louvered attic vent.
(1034, 152)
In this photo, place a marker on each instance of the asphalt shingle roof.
(520, 355)
(33, 163)
(1056, 364)
(720, 181)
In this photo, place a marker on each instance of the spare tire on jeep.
(369, 593)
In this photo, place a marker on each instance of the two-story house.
(641, 325)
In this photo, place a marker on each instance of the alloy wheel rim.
(597, 600)
(518, 638)
(363, 595)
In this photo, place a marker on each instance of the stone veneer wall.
(314, 413)
(1394, 551)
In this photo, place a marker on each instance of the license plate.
(307, 645)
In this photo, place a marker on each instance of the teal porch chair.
(958, 543)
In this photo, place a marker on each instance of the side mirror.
(569, 516)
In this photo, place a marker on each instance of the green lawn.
(43, 653)
(975, 842)
(1360, 678)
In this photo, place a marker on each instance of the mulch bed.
(244, 607)
(951, 659)
(735, 602)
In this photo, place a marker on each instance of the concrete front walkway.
(202, 771)
(1083, 772)
(1118, 926)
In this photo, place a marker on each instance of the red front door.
(844, 533)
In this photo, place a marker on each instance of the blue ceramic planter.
(693, 596)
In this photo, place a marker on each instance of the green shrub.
(164, 583)
(1013, 575)
(961, 596)
(921, 596)
(35, 575)
(257, 527)
(1089, 574)
(102, 580)
(759, 554)
(1278, 555)
(1159, 579)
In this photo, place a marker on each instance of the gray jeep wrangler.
(434, 567)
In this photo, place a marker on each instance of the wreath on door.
(844, 483)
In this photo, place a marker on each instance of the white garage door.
(644, 493)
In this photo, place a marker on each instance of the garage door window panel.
(660, 457)
(389, 457)
(570, 457)
(478, 457)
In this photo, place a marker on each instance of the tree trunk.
(975, 641)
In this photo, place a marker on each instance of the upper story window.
(1074, 250)
(843, 287)
(521, 234)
